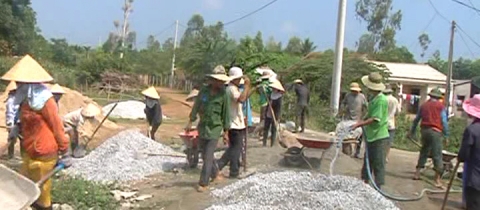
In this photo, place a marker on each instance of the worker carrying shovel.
(44, 140)
(153, 110)
(75, 123)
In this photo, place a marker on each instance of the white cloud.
(289, 27)
(213, 4)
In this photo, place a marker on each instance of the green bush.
(82, 194)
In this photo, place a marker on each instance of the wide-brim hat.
(57, 89)
(275, 84)
(219, 70)
(151, 92)
(373, 81)
(472, 106)
(436, 92)
(355, 86)
(388, 89)
(11, 86)
(192, 94)
(235, 73)
(220, 77)
(298, 81)
(90, 110)
(27, 70)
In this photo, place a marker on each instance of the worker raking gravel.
(299, 190)
(117, 160)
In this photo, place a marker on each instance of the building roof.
(461, 82)
(413, 72)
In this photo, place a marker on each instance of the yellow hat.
(11, 86)
(27, 70)
(57, 89)
(274, 83)
(151, 92)
(298, 81)
(91, 110)
(355, 86)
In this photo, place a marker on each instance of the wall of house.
(461, 92)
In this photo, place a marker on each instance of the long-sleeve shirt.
(154, 114)
(214, 113)
(43, 131)
(470, 154)
(77, 122)
(11, 111)
(433, 115)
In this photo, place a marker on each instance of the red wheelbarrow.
(190, 140)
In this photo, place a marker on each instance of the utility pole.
(337, 66)
(450, 69)
(127, 9)
(173, 57)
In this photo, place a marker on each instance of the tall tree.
(272, 45)
(294, 46)
(153, 44)
(194, 26)
(366, 44)
(258, 41)
(308, 46)
(424, 41)
(382, 21)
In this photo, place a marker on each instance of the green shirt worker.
(375, 128)
(212, 106)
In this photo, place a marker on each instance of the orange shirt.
(43, 132)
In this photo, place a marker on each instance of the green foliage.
(82, 194)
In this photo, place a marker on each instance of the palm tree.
(308, 46)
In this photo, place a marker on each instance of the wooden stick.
(450, 185)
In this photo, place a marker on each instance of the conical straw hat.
(27, 70)
(274, 83)
(11, 86)
(57, 89)
(192, 94)
(91, 110)
(151, 92)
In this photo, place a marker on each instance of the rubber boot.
(80, 151)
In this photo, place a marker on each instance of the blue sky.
(89, 21)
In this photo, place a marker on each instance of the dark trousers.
(431, 144)
(154, 130)
(209, 168)
(233, 153)
(359, 145)
(376, 158)
(269, 126)
(300, 117)
(472, 197)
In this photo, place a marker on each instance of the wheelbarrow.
(295, 156)
(190, 140)
(19, 192)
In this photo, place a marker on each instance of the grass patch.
(82, 194)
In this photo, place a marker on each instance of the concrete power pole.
(127, 9)
(450, 69)
(337, 66)
(172, 73)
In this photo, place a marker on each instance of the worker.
(273, 113)
(470, 154)
(236, 133)
(11, 118)
(376, 128)
(75, 123)
(353, 108)
(212, 107)
(264, 91)
(57, 92)
(393, 110)
(44, 138)
(153, 110)
(434, 122)
(303, 98)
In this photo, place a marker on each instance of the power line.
(425, 28)
(471, 4)
(159, 33)
(250, 13)
(468, 6)
(466, 45)
(438, 12)
(468, 36)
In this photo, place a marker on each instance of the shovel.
(18, 192)
(144, 155)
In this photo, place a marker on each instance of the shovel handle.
(58, 168)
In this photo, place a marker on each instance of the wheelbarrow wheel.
(293, 156)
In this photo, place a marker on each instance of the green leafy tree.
(273, 46)
(308, 46)
(294, 46)
(396, 54)
(258, 41)
(424, 41)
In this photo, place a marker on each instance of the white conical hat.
(27, 70)
(57, 89)
(151, 92)
(11, 86)
(91, 110)
(274, 83)
(192, 94)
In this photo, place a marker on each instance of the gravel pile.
(119, 159)
(126, 110)
(299, 190)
